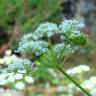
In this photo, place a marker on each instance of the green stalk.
(64, 72)
(64, 60)
(62, 53)
(71, 79)
(51, 48)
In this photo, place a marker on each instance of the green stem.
(62, 53)
(71, 79)
(67, 75)
(51, 48)
(64, 60)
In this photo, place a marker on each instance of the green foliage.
(28, 13)
(25, 15)
(40, 74)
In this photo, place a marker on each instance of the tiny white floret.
(20, 85)
(29, 79)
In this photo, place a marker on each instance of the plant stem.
(51, 48)
(62, 53)
(68, 76)
(64, 60)
(71, 79)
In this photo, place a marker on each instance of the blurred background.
(18, 17)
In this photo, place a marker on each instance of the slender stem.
(51, 48)
(41, 62)
(62, 53)
(64, 72)
(64, 60)
(71, 79)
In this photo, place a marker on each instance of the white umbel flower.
(78, 69)
(1, 61)
(20, 64)
(7, 59)
(29, 79)
(22, 71)
(93, 80)
(3, 82)
(11, 79)
(20, 85)
(8, 52)
(3, 76)
(87, 84)
(37, 47)
(18, 76)
(46, 29)
(70, 26)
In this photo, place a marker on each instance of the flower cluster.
(19, 80)
(70, 26)
(20, 64)
(37, 47)
(46, 29)
(62, 48)
(78, 38)
(32, 41)
(37, 41)
(59, 47)
(8, 57)
(79, 69)
(70, 30)
(90, 83)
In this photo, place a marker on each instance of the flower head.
(70, 26)
(37, 47)
(20, 64)
(70, 32)
(20, 85)
(37, 42)
(59, 48)
(48, 29)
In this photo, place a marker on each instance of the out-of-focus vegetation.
(44, 81)
(27, 13)
(23, 16)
